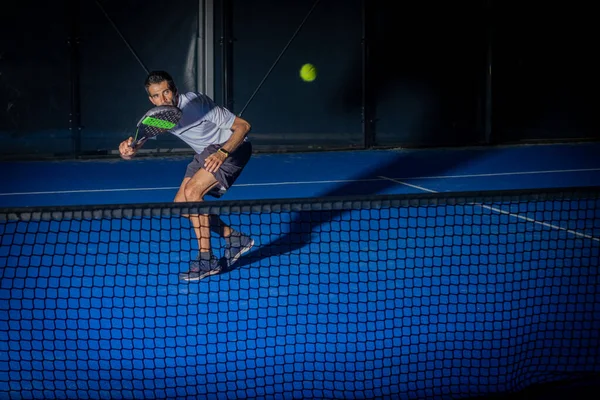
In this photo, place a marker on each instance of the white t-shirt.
(203, 121)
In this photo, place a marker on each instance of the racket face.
(152, 122)
(156, 121)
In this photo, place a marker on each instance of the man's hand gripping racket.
(157, 120)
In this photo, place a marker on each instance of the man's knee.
(179, 198)
(198, 186)
(198, 191)
(180, 195)
(191, 193)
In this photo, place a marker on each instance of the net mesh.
(420, 296)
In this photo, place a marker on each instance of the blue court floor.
(148, 180)
(419, 301)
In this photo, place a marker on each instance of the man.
(222, 151)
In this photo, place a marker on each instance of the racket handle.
(139, 142)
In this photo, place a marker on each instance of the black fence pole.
(226, 53)
(73, 42)
(367, 98)
(488, 74)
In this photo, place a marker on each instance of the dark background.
(390, 74)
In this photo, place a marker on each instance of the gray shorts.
(228, 172)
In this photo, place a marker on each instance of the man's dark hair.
(158, 77)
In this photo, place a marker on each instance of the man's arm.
(240, 129)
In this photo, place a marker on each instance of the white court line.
(175, 188)
(504, 174)
(498, 210)
(292, 183)
(88, 191)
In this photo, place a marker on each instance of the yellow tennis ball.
(308, 73)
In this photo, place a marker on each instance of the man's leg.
(193, 189)
(237, 243)
(197, 183)
(200, 223)
(217, 225)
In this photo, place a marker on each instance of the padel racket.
(157, 120)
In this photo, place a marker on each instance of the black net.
(412, 297)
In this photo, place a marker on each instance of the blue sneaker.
(236, 245)
(201, 269)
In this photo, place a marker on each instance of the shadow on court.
(306, 222)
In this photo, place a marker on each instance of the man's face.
(160, 94)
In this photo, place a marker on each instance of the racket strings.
(160, 123)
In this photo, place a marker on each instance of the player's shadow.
(306, 222)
